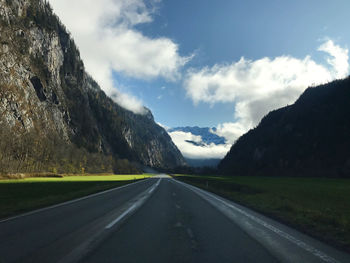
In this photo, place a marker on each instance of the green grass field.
(317, 206)
(22, 195)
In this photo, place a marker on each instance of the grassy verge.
(319, 207)
(22, 195)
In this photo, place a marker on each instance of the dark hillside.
(308, 138)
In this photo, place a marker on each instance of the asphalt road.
(156, 220)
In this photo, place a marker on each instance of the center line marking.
(150, 191)
(121, 216)
(133, 207)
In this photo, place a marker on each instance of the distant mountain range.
(309, 138)
(208, 137)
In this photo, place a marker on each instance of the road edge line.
(301, 244)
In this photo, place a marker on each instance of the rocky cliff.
(308, 138)
(47, 100)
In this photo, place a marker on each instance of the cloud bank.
(255, 87)
(108, 41)
(205, 151)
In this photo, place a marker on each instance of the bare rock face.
(29, 72)
(45, 90)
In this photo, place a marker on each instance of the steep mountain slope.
(51, 108)
(309, 138)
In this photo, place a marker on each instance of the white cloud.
(230, 131)
(204, 151)
(108, 41)
(257, 87)
(128, 101)
(339, 58)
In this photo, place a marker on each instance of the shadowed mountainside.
(308, 138)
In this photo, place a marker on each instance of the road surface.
(155, 220)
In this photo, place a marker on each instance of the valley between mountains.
(85, 179)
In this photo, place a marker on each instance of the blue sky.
(208, 63)
(224, 31)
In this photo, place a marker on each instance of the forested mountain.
(308, 138)
(53, 115)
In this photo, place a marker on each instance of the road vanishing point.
(155, 220)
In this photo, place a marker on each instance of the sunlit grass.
(81, 178)
(22, 195)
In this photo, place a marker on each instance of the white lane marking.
(121, 216)
(138, 203)
(154, 187)
(190, 233)
(92, 240)
(279, 232)
(69, 202)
